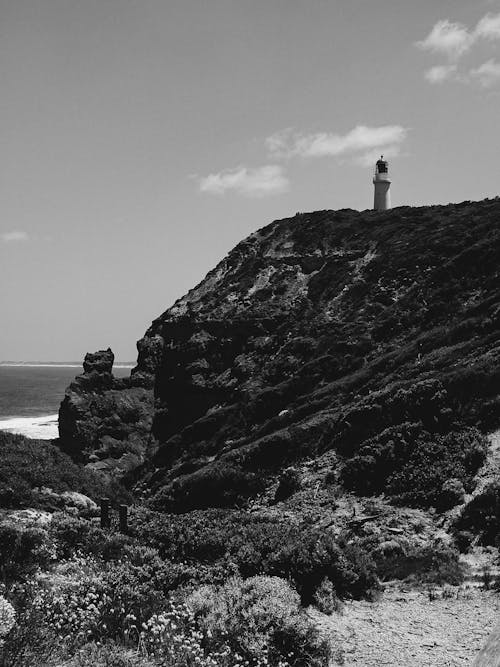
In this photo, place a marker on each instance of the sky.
(140, 140)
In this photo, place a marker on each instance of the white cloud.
(440, 73)
(360, 139)
(450, 39)
(247, 181)
(454, 40)
(369, 158)
(14, 236)
(487, 74)
(489, 27)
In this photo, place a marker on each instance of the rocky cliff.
(104, 421)
(369, 341)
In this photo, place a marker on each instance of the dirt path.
(406, 629)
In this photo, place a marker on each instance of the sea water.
(30, 396)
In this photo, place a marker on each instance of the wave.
(39, 428)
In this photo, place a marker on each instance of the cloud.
(454, 40)
(440, 73)
(369, 158)
(489, 27)
(362, 138)
(14, 236)
(487, 74)
(449, 39)
(247, 181)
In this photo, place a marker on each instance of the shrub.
(27, 464)
(29, 643)
(222, 485)
(289, 483)
(416, 467)
(174, 638)
(316, 555)
(433, 564)
(72, 534)
(107, 654)
(325, 598)
(259, 544)
(7, 618)
(23, 549)
(260, 618)
(482, 516)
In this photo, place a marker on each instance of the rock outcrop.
(318, 332)
(104, 421)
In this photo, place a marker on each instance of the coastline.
(20, 364)
(36, 428)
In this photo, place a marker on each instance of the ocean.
(30, 396)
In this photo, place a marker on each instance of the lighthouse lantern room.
(382, 183)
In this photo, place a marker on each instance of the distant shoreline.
(47, 364)
(44, 427)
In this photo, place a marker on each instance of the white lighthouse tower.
(382, 183)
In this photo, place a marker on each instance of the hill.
(374, 336)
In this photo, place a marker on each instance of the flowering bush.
(174, 638)
(7, 617)
(85, 599)
(73, 612)
(260, 618)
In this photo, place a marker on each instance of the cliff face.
(105, 422)
(320, 333)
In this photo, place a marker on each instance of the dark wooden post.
(105, 518)
(123, 519)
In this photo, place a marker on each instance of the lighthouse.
(382, 183)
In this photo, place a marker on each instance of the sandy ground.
(406, 628)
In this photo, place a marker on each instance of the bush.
(309, 559)
(260, 618)
(259, 544)
(27, 464)
(325, 598)
(222, 484)
(433, 564)
(107, 654)
(415, 467)
(72, 534)
(481, 517)
(7, 617)
(23, 549)
(289, 483)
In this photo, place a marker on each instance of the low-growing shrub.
(223, 484)
(289, 483)
(415, 467)
(28, 464)
(72, 534)
(260, 618)
(7, 617)
(481, 517)
(259, 544)
(23, 549)
(108, 654)
(433, 564)
(325, 598)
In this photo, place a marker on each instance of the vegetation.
(114, 597)
(480, 518)
(371, 328)
(342, 355)
(415, 467)
(33, 473)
